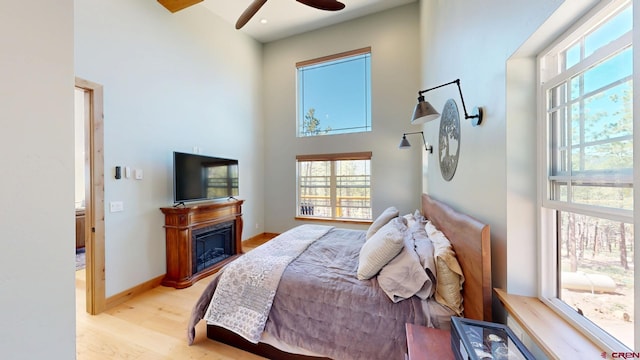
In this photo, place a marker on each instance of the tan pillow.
(388, 214)
(449, 273)
(383, 246)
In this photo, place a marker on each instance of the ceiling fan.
(329, 5)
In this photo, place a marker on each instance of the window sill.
(361, 222)
(555, 336)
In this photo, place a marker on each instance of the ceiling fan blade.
(330, 5)
(177, 5)
(249, 12)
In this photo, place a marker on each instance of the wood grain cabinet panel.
(180, 222)
(428, 343)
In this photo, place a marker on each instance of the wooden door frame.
(94, 195)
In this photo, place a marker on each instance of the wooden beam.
(177, 5)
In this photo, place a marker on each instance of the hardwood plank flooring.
(151, 326)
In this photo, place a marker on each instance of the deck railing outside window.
(334, 189)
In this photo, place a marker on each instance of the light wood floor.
(151, 326)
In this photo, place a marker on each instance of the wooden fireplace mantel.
(179, 224)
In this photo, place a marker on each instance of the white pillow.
(430, 228)
(404, 276)
(383, 246)
(388, 214)
(424, 249)
(412, 219)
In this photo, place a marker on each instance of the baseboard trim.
(117, 299)
(126, 295)
(258, 239)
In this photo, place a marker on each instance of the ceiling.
(289, 17)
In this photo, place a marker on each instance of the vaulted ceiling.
(278, 19)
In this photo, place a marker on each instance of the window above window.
(334, 94)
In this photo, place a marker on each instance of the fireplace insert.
(212, 244)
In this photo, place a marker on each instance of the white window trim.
(548, 267)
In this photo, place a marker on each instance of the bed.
(322, 280)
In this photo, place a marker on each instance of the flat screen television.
(199, 177)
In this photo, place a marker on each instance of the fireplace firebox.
(212, 244)
(200, 239)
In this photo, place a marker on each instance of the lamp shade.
(423, 112)
(404, 143)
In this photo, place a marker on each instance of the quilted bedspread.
(321, 306)
(245, 293)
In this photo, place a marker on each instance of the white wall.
(481, 42)
(37, 241)
(521, 145)
(172, 82)
(472, 40)
(393, 37)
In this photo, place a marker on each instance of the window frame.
(365, 51)
(365, 155)
(548, 280)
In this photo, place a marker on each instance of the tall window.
(587, 165)
(334, 94)
(335, 186)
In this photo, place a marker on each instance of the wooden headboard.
(472, 243)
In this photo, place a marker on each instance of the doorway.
(89, 101)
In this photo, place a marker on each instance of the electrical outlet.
(257, 226)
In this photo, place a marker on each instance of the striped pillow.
(383, 246)
(388, 214)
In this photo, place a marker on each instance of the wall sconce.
(404, 143)
(425, 112)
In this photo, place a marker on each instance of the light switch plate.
(116, 206)
(138, 174)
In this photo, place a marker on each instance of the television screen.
(199, 177)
